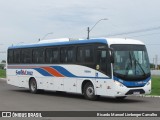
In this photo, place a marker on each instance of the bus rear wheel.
(89, 92)
(33, 86)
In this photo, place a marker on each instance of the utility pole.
(153, 63)
(156, 61)
(89, 30)
(44, 36)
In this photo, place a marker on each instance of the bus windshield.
(131, 62)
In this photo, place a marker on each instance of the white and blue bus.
(111, 67)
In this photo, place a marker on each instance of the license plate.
(136, 93)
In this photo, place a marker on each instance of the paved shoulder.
(3, 79)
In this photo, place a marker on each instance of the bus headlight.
(149, 82)
(119, 84)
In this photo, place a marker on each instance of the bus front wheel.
(33, 86)
(89, 92)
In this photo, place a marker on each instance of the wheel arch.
(84, 83)
(31, 78)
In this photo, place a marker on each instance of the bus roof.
(69, 42)
(123, 41)
(55, 42)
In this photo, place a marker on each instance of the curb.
(151, 96)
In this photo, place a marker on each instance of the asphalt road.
(20, 99)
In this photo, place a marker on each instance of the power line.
(136, 31)
(144, 35)
(152, 44)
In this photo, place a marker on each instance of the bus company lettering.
(24, 72)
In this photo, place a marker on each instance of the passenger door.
(102, 71)
(101, 62)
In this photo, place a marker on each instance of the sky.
(27, 21)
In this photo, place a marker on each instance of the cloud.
(29, 20)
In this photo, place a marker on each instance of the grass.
(2, 73)
(155, 85)
(155, 82)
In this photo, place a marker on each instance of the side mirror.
(111, 55)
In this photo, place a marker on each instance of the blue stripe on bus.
(63, 71)
(93, 77)
(42, 72)
(104, 41)
(133, 83)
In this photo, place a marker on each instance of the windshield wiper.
(131, 56)
(140, 66)
(129, 63)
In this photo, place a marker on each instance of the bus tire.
(89, 92)
(33, 86)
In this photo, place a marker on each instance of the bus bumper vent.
(135, 92)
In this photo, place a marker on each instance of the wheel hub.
(90, 91)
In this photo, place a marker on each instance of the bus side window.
(16, 58)
(35, 59)
(85, 54)
(38, 55)
(88, 54)
(63, 58)
(51, 55)
(48, 55)
(80, 55)
(55, 55)
(26, 56)
(10, 56)
(70, 54)
(67, 55)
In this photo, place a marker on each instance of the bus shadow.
(53, 93)
(126, 100)
(62, 94)
(78, 96)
